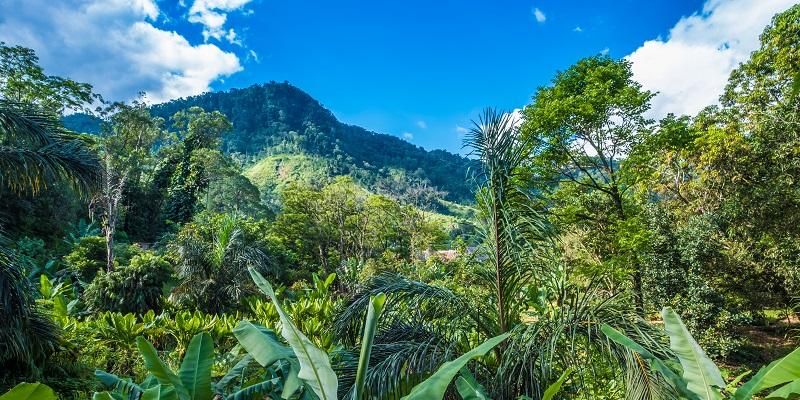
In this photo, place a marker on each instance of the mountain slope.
(289, 129)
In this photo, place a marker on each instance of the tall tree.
(197, 130)
(581, 128)
(127, 143)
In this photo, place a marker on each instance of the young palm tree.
(213, 270)
(424, 325)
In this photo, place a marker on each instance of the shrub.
(87, 257)
(135, 288)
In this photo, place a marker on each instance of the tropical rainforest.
(247, 245)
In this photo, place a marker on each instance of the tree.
(22, 80)
(424, 324)
(127, 143)
(213, 254)
(197, 130)
(36, 151)
(582, 126)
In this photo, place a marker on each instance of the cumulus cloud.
(422, 124)
(408, 136)
(690, 67)
(516, 116)
(213, 14)
(577, 29)
(115, 46)
(539, 15)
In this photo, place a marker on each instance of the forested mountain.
(299, 139)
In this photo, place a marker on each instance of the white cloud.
(605, 51)
(461, 130)
(577, 29)
(690, 68)
(539, 15)
(422, 124)
(516, 116)
(408, 136)
(115, 46)
(213, 14)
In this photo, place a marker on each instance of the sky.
(419, 70)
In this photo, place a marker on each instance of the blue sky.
(426, 67)
(414, 69)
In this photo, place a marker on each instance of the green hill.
(288, 135)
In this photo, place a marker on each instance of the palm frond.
(36, 151)
(570, 337)
(407, 300)
(403, 355)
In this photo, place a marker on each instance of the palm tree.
(212, 267)
(424, 325)
(35, 151)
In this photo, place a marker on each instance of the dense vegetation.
(601, 255)
(283, 134)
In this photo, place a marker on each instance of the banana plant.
(312, 366)
(29, 391)
(192, 381)
(694, 376)
(295, 369)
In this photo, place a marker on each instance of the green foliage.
(279, 119)
(133, 288)
(696, 377)
(38, 152)
(29, 391)
(22, 80)
(87, 257)
(27, 335)
(315, 367)
(435, 386)
(213, 254)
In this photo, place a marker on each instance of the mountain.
(287, 135)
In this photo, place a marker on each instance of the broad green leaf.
(315, 367)
(434, 387)
(292, 381)
(701, 374)
(261, 343)
(195, 371)
(780, 371)
(555, 387)
(655, 363)
(370, 324)
(159, 369)
(790, 390)
(469, 388)
(233, 373)
(29, 391)
(120, 385)
(160, 392)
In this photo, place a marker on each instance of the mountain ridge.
(274, 119)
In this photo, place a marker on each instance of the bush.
(87, 257)
(134, 288)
